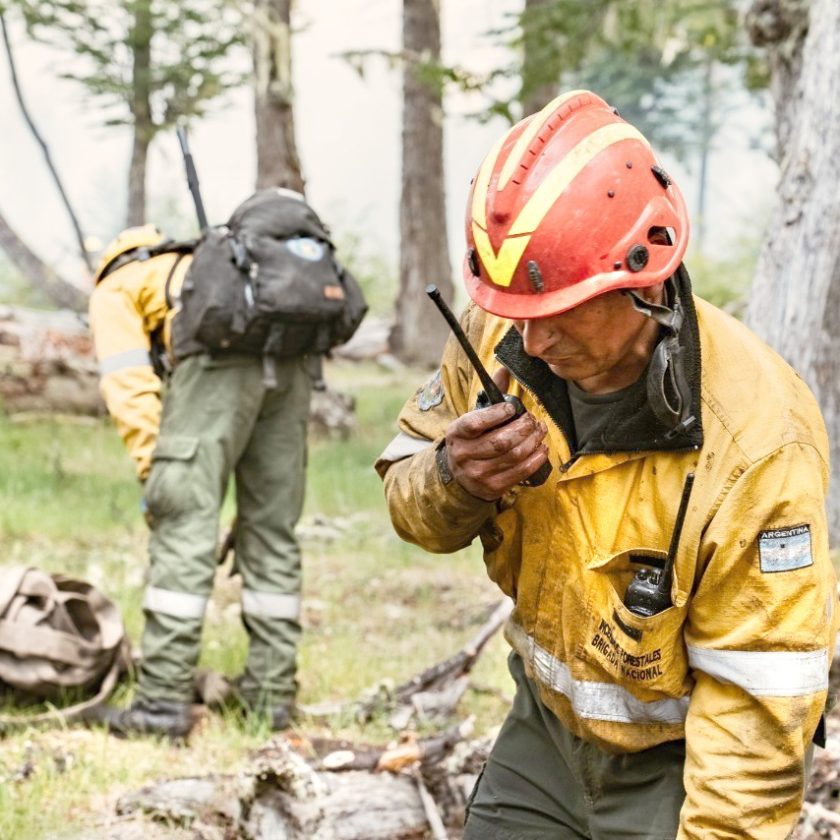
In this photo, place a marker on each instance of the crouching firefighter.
(208, 322)
(656, 512)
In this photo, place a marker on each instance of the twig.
(430, 807)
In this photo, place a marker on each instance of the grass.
(374, 608)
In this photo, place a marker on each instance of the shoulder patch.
(785, 549)
(431, 394)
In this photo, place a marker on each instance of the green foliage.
(185, 44)
(725, 281)
(374, 273)
(15, 291)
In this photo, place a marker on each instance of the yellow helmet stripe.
(482, 182)
(539, 119)
(555, 183)
(500, 267)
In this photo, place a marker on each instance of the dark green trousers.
(220, 420)
(542, 783)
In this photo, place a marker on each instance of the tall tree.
(424, 250)
(278, 163)
(795, 300)
(150, 63)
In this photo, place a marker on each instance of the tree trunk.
(140, 41)
(535, 92)
(419, 333)
(38, 273)
(781, 26)
(278, 164)
(795, 300)
(74, 219)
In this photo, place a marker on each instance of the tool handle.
(192, 178)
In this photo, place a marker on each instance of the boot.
(171, 718)
(279, 717)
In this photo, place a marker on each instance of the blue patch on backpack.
(306, 248)
(785, 549)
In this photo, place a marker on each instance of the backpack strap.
(167, 286)
(145, 252)
(78, 711)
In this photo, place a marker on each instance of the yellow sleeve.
(760, 635)
(125, 308)
(440, 516)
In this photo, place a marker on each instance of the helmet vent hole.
(662, 176)
(472, 262)
(662, 235)
(535, 276)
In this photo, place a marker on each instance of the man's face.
(603, 344)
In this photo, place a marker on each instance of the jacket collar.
(633, 427)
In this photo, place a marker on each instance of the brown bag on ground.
(56, 633)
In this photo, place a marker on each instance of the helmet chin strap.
(668, 391)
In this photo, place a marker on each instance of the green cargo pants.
(218, 419)
(542, 782)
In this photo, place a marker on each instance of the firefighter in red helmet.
(674, 603)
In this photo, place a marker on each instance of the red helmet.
(569, 204)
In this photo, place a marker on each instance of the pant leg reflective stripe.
(270, 604)
(770, 673)
(127, 359)
(178, 604)
(404, 446)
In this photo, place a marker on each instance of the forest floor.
(374, 608)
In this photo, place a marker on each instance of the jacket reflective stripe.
(593, 700)
(270, 604)
(783, 673)
(404, 446)
(127, 359)
(178, 604)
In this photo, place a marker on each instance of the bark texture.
(280, 795)
(419, 333)
(141, 109)
(795, 300)
(278, 164)
(780, 26)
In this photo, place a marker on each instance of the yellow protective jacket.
(127, 308)
(738, 666)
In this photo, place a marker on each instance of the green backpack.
(267, 284)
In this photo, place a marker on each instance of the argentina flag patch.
(785, 549)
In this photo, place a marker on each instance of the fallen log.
(278, 794)
(46, 363)
(47, 366)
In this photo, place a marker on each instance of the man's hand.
(486, 458)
